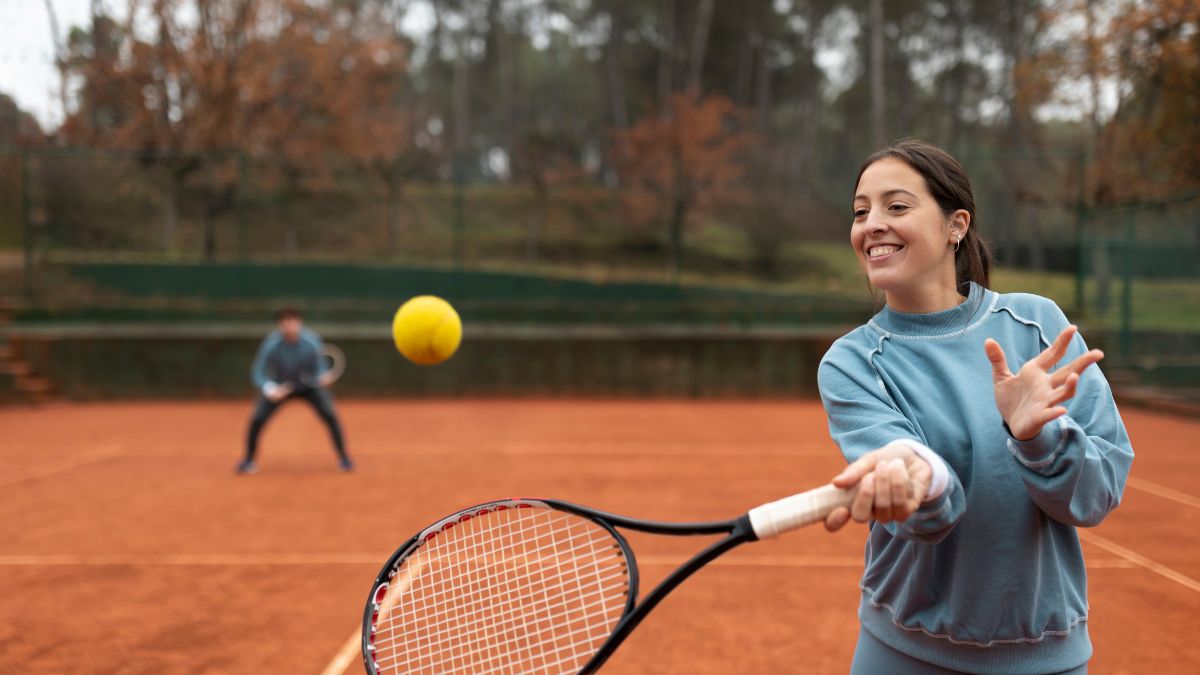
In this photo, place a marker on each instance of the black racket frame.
(738, 531)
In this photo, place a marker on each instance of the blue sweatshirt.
(989, 576)
(279, 361)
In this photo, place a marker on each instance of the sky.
(28, 73)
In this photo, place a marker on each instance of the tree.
(1152, 144)
(18, 127)
(174, 99)
(684, 158)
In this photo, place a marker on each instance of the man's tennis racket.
(537, 585)
(335, 361)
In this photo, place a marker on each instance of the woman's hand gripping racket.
(537, 585)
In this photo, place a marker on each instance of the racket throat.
(741, 533)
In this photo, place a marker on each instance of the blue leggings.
(321, 401)
(872, 657)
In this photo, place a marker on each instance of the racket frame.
(335, 354)
(738, 531)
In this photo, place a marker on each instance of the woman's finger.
(837, 518)
(883, 492)
(902, 491)
(1054, 353)
(1066, 391)
(1049, 415)
(853, 473)
(1079, 364)
(864, 501)
(996, 355)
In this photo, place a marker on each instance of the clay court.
(129, 546)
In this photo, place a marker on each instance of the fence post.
(241, 205)
(26, 225)
(459, 180)
(1080, 224)
(1127, 288)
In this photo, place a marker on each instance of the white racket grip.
(773, 519)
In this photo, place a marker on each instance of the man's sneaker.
(247, 468)
(345, 466)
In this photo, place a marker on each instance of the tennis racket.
(537, 585)
(335, 359)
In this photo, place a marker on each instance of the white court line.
(1161, 491)
(235, 559)
(350, 651)
(196, 559)
(346, 655)
(70, 463)
(1139, 559)
(550, 451)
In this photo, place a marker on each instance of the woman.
(973, 563)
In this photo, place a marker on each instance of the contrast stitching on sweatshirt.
(958, 333)
(971, 643)
(1063, 432)
(941, 511)
(1027, 322)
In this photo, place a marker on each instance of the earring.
(957, 242)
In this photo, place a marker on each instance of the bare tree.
(878, 102)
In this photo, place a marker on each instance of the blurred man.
(289, 365)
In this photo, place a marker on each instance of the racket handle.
(773, 519)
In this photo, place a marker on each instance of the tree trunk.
(170, 211)
(666, 56)
(745, 66)
(762, 89)
(679, 210)
(618, 108)
(291, 241)
(959, 83)
(704, 15)
(535, 222)
(394, 203)
(878, 103)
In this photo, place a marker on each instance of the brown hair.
(948, 183)
(287, 313)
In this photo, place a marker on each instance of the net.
(502, 589)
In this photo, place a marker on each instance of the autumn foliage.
(684, 159)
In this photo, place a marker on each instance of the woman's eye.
(898, 207)
(859, 213)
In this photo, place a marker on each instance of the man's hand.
(892, 482)
(326, 379)
(1030, 398)
(278, 392)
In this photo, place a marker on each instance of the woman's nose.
(876, 222)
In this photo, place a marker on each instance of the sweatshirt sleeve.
(258, 370)
(1075, 468)
(862, 418)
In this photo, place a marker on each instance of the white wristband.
(269, 388)
(941, 473)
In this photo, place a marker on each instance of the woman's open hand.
(1030, 398)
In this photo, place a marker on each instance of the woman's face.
(901, 237)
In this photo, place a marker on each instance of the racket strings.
(522, 590)
(500, 627)
(492, 632)
(544, 554)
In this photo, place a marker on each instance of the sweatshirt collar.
(947, 322)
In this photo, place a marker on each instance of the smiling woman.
(914, 227)
(973, 560)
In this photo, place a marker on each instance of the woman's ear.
(960, 222)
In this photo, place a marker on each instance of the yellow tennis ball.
(427, 330)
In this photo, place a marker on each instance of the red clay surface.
(127, 545)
